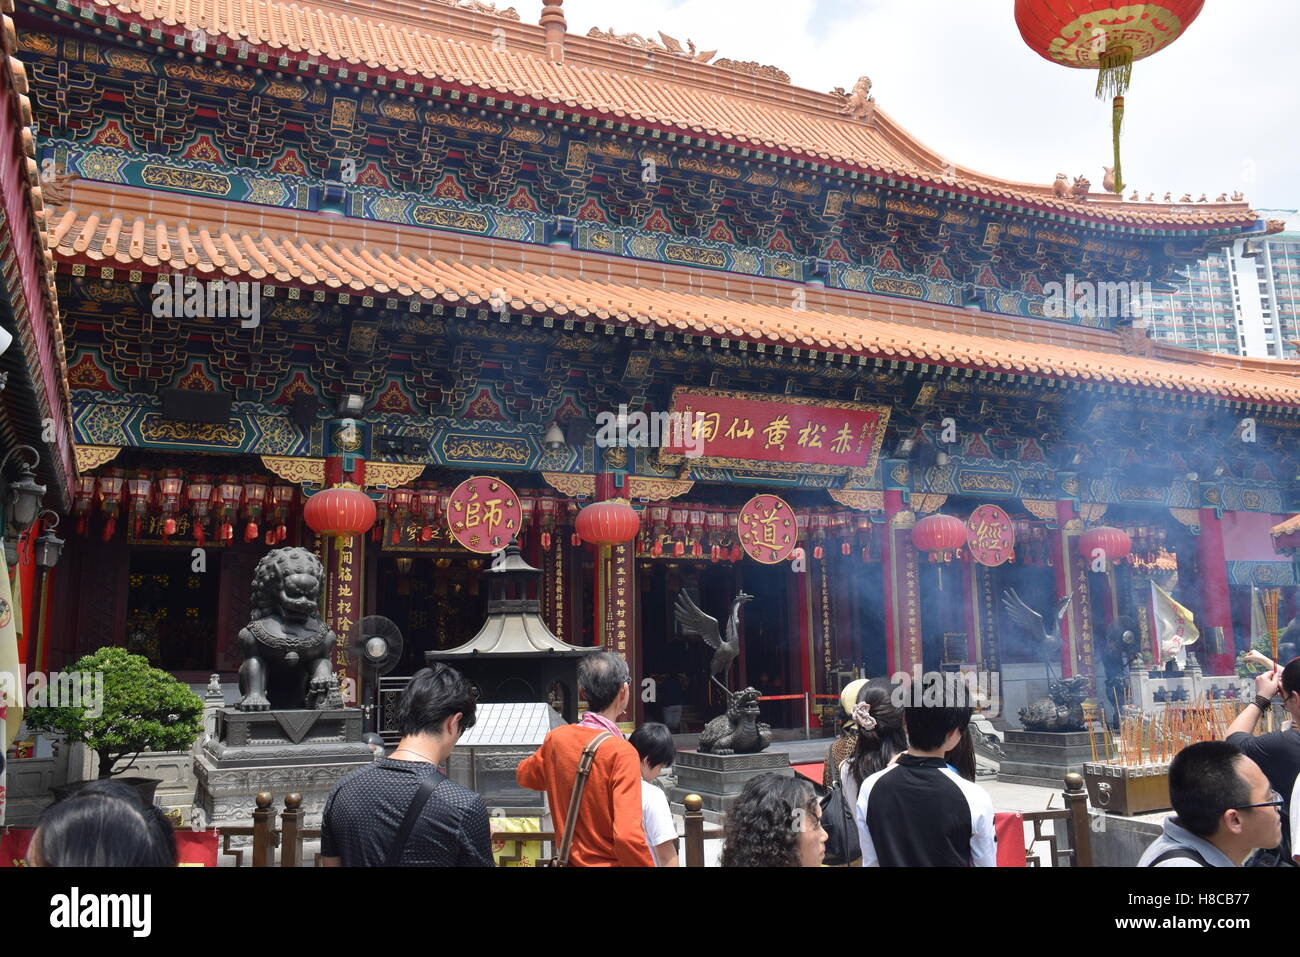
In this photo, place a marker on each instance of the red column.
(1216, 608)
(803, 590)
(616, 595)
(1072, 573)
(902, 591)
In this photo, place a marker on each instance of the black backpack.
(842, 847)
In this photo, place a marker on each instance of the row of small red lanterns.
(142, 495)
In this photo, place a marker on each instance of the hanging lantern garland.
(1098, 35)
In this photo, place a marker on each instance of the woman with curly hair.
(776, 822)
(881, 738)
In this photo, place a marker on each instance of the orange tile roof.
(1290, 527)
(138, 228)
(599, 76)
(29, 286)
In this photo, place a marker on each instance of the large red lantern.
(1109, 544)
(1104, 36)
(340, 512)
(611, 522)
(939, 535)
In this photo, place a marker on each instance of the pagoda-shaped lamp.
(515, 656)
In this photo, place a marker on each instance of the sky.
(1214, 112)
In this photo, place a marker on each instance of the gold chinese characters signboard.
(723, 429)
(767, 529)
(484, 514)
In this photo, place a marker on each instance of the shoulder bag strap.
(418, 801)
(1180, 853)
(575, 799)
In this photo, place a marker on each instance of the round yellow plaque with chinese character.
(767, 529)
(484, 514)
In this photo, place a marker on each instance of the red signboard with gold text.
(990, 536)
(484, 514)
(722, 428)
(767, 529)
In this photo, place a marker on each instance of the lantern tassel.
(1117, 121)
(1114, 71)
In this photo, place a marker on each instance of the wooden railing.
(290, 835)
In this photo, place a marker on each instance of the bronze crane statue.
(696, 622)
(1047, 632)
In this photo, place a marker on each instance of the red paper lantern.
(939, 535)
(1092, 35)
(141, 491)
(111, 493)
(199, 493)
(1114, 544)
(612, 522)
(254, 500)
(340, 512)
(84, 501)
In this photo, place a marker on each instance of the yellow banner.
(1174, 627)
(10, 672)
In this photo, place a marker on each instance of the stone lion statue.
(738, 731)
(286, 645)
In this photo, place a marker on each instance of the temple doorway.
(438, 602)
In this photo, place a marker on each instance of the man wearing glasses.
(1276, 752)
(1224, 808)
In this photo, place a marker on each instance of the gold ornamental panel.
(864, 500)
(92, 456)
(1040, 508)
(573, 485)
(927, 502)
(392, 474)
(658, 489)
(303, 471)
(1189, 517)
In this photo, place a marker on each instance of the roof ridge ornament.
(860, 104)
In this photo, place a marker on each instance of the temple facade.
(475, 241)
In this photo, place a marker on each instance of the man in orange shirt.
(608, 831)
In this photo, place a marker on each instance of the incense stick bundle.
(1271, 598)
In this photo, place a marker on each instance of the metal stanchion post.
(807, 726)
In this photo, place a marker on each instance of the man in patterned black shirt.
(365, 810)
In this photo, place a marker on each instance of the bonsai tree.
(143, 709)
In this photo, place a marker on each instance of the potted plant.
(143, 709)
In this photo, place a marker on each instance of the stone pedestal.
(277, 751)
(1043, 757)
(719, 778)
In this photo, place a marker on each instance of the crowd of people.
(901, 792)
